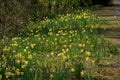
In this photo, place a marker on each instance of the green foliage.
(50, 49)
(112, 49)
(53, 49)
(16, 13)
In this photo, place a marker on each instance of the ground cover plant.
(54, 49)
(14, 14)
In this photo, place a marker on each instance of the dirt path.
(117, 9)
(109, 68)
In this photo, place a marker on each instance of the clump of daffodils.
(55, 47)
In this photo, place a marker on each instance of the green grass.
(54, 49)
